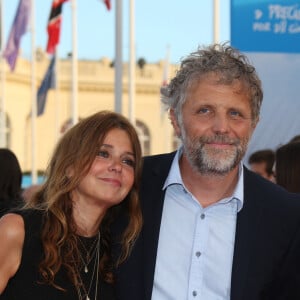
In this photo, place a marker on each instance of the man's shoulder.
(269, 193)
(157, 165)
(159, 160)
(160, 157)
(258, 183)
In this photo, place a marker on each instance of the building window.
(5, 132)
(144, 136)
(67, 125)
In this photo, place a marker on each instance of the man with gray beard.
(213, 230)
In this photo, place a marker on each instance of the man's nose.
(221, 123)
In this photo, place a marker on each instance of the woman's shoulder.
(11, 226)
(12, 238)
(12, 230)
(33, 219)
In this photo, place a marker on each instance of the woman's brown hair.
(77, 149)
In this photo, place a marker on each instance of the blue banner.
(266, 25)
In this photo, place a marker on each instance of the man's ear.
(255, 124)
(174, 122)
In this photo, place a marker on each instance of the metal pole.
(3, 141)
(131, 77)
(74, 104)
(33, 98)
(118, 58)
(57, 100)
(216, 19)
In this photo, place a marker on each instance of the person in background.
(30, 191)
(287, 166)
(10, 181)
(262, 163)
(212, 229)
(59, 245)
(296, 138)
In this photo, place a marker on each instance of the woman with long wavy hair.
(59, 245)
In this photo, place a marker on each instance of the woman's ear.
(69, 172)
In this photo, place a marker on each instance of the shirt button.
(194, 293)
(202, 216)
(198, 253)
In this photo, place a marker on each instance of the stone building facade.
(95, 92)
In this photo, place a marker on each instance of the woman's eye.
(129, 162)
(103, 153)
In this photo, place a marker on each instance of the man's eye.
(204, 110)
(234, 114)
(129, 162)
(103, 153)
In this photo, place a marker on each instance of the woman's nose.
(115, 165)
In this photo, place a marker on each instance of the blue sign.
(266, 25)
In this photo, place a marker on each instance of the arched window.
(67, 125)
(144, 136)
(5, 134)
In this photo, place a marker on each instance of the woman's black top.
(26, 283)
(6, 205)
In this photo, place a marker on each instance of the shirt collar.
(174, 177)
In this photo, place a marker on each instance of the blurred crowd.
(281, 166)
(12, 195)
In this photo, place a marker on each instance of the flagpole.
(3, 142)
(33, 98)
(165, 78)
(74, 108)
(56, 95)
(216, 18)
(168, 131)
(118, 57)
(166, 66)
(131, 77)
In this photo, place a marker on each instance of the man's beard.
(207, 160)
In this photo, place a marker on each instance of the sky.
(179, 26)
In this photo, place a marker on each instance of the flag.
(47, 83)
(18, 29)
(107, 4)
(54, 24)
